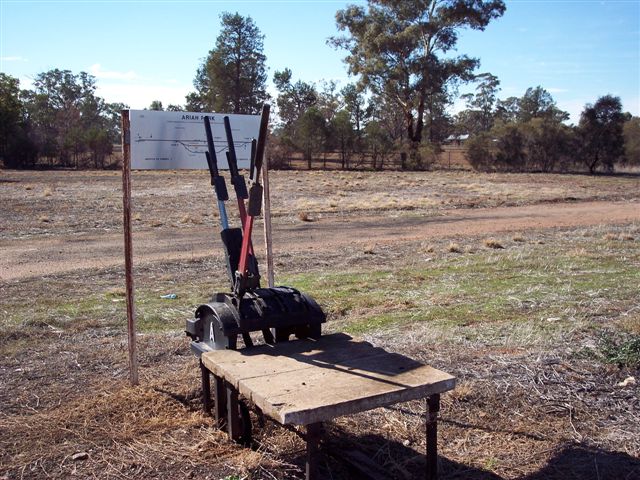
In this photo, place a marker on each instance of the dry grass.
(454, 248)
(44, 219)
(192, 219)
(304, 217)
(93, 199)
(492, 243)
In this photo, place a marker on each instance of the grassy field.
(541, 327)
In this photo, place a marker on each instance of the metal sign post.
(266, 208)
(128, 248)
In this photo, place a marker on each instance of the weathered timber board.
(306, 381)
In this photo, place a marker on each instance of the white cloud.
(13, 58)
(97, 71)
(140, 95)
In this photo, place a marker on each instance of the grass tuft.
(454, 248)
(619, 349)
(304, 217)
(492, 243)
(190, 219)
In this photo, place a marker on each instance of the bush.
(547, 144)
(510, 147)
(631, 131)
(480, 153)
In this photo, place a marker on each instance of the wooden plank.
(266, 360)
(320, 394)
(305, 382)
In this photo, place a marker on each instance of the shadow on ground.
(375, 457)
(586, 463)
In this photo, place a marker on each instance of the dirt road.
(23, 258)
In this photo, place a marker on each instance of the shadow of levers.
(580, 462)
(340, 352)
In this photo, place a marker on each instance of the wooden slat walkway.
(308, 381)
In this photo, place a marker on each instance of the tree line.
(529, 133)
(402, 55)
(60, 121)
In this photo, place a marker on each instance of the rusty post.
(266, 208)
(206, 388)
(233, 413)
(128, 247)
(433, 407)
(312, 436)
(220, 397)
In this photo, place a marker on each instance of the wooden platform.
(307, 381)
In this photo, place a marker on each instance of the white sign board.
(173, 140)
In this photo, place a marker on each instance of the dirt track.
(24, 258)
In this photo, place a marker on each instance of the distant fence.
(452, 157)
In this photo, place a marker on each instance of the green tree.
(329, 100)
(354, 103)
(400, 50)
(10, 110)
(310, 134)
(343, 134)
(378, 142)
(480, 152)
(601, 133)
(507, 110)
(547, 142)
(631, 132)
(293, 98)
(480, 106)
(66, 122)
(60, 108)
(16, 149)
(538, 103)
(156, 105)
(233, 77)
(510, 147)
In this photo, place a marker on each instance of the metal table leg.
(312, 437)
(233, 416)
(206, 389)
(220, 396)
(433, 407)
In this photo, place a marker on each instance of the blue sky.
(140, 51)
